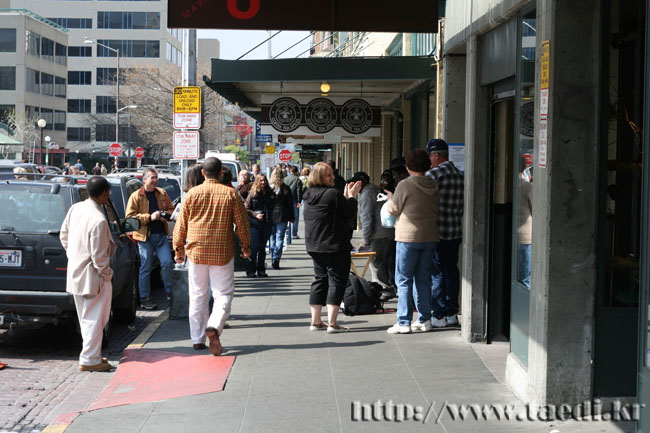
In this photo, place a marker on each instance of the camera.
(165, 215)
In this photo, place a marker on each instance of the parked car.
(121, 189)
(8, 165)
(33, 262)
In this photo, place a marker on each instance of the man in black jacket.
(295, 184)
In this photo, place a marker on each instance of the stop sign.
(115, 149)
(139, 152)
(285, 155)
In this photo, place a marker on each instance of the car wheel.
(108, 329)
(128, 302)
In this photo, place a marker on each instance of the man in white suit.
(86, 237)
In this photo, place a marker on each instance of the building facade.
(135, 29)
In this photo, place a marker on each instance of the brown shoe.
(215, 344)
(199, 346)
(102, 366)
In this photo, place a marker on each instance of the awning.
(385, 79)
(5, 139)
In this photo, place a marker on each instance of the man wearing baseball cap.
(446, 277)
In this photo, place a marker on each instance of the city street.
(42, 380)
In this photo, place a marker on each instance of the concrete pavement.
(288, 379)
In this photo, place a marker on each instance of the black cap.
(398, 162)
(436, 145)
(360, 175)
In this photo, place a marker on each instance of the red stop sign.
(285, 155)
(139, 152)
(115, 149)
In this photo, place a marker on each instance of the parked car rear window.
(31, 208)
(171, 187)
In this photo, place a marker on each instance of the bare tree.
(24, 127)
(151, 89)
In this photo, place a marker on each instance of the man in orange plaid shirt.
(205, 222)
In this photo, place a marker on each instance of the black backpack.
(361, 297)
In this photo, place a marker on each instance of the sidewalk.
(288, 379)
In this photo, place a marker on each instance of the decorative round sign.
(139, 152)
(285, 114)
(356, 116)
(115, 149)
(527, 116)
(320, 115)
(285, 155)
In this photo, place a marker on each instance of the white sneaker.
(438, 323)
(399, 329)
(421, 326)
(452, 320)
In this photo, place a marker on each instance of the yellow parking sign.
(187, 99)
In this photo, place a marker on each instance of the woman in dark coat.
(259, 204)
(328, 216)
(283, 213)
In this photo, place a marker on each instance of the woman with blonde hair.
(328, 216)
(283, 213)
(259, 204)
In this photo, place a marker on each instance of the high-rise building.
(97, 31)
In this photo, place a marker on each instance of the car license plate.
(11, 258)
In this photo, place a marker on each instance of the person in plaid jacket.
(446, 277)
(204, 231)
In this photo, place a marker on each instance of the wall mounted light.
(325, 88)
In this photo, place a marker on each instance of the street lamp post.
(41, 124)
(117, 82)
(47, 149)
(129, 141)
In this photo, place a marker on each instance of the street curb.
(63, 421)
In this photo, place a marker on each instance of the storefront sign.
(419, 16)
(356, 117)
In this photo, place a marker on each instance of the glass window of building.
(59, 120)
(79, 105)
(7, 78)
(105, 104)
(48, 115)
(80, 51)
(32, 43)
(60, 52)
(83, 78)
(74, 23)
(59, 87)
(7, 40)
(47, 49)
(78, 134)
(104, 132)
(32, 112)
(106, 76)
(6, 112)
(128, 20)
(524, 153)
(129, 48)
(32, 80)
(47, 84)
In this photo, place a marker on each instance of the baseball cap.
(436, 145)
(359, 175)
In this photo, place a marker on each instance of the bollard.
(180, 300)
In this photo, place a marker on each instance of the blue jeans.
(445, 279)
(523, 264)
(277, 239)
(413, 270)
(157, 242)
(260, 233)
(296, 212)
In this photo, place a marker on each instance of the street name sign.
(187, 107)
(186, 145)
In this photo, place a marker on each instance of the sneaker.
(296, 237)
(438, 323)
(399, 329)
(452, 320)
(317, 326)
(421, 326)
(335, 329)
(148, 304)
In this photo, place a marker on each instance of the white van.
(228, 160)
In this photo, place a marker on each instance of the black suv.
(33, 262)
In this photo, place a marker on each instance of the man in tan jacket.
(152, 206)
(89, 246)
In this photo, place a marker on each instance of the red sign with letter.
(139, 152)
(285, 155)
(115, 149)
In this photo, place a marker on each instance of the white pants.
(222, 281)
(93, 313)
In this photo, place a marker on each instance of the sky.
(234, 43)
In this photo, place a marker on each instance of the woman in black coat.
(328, 216)
(283, 213)
(259, 204)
